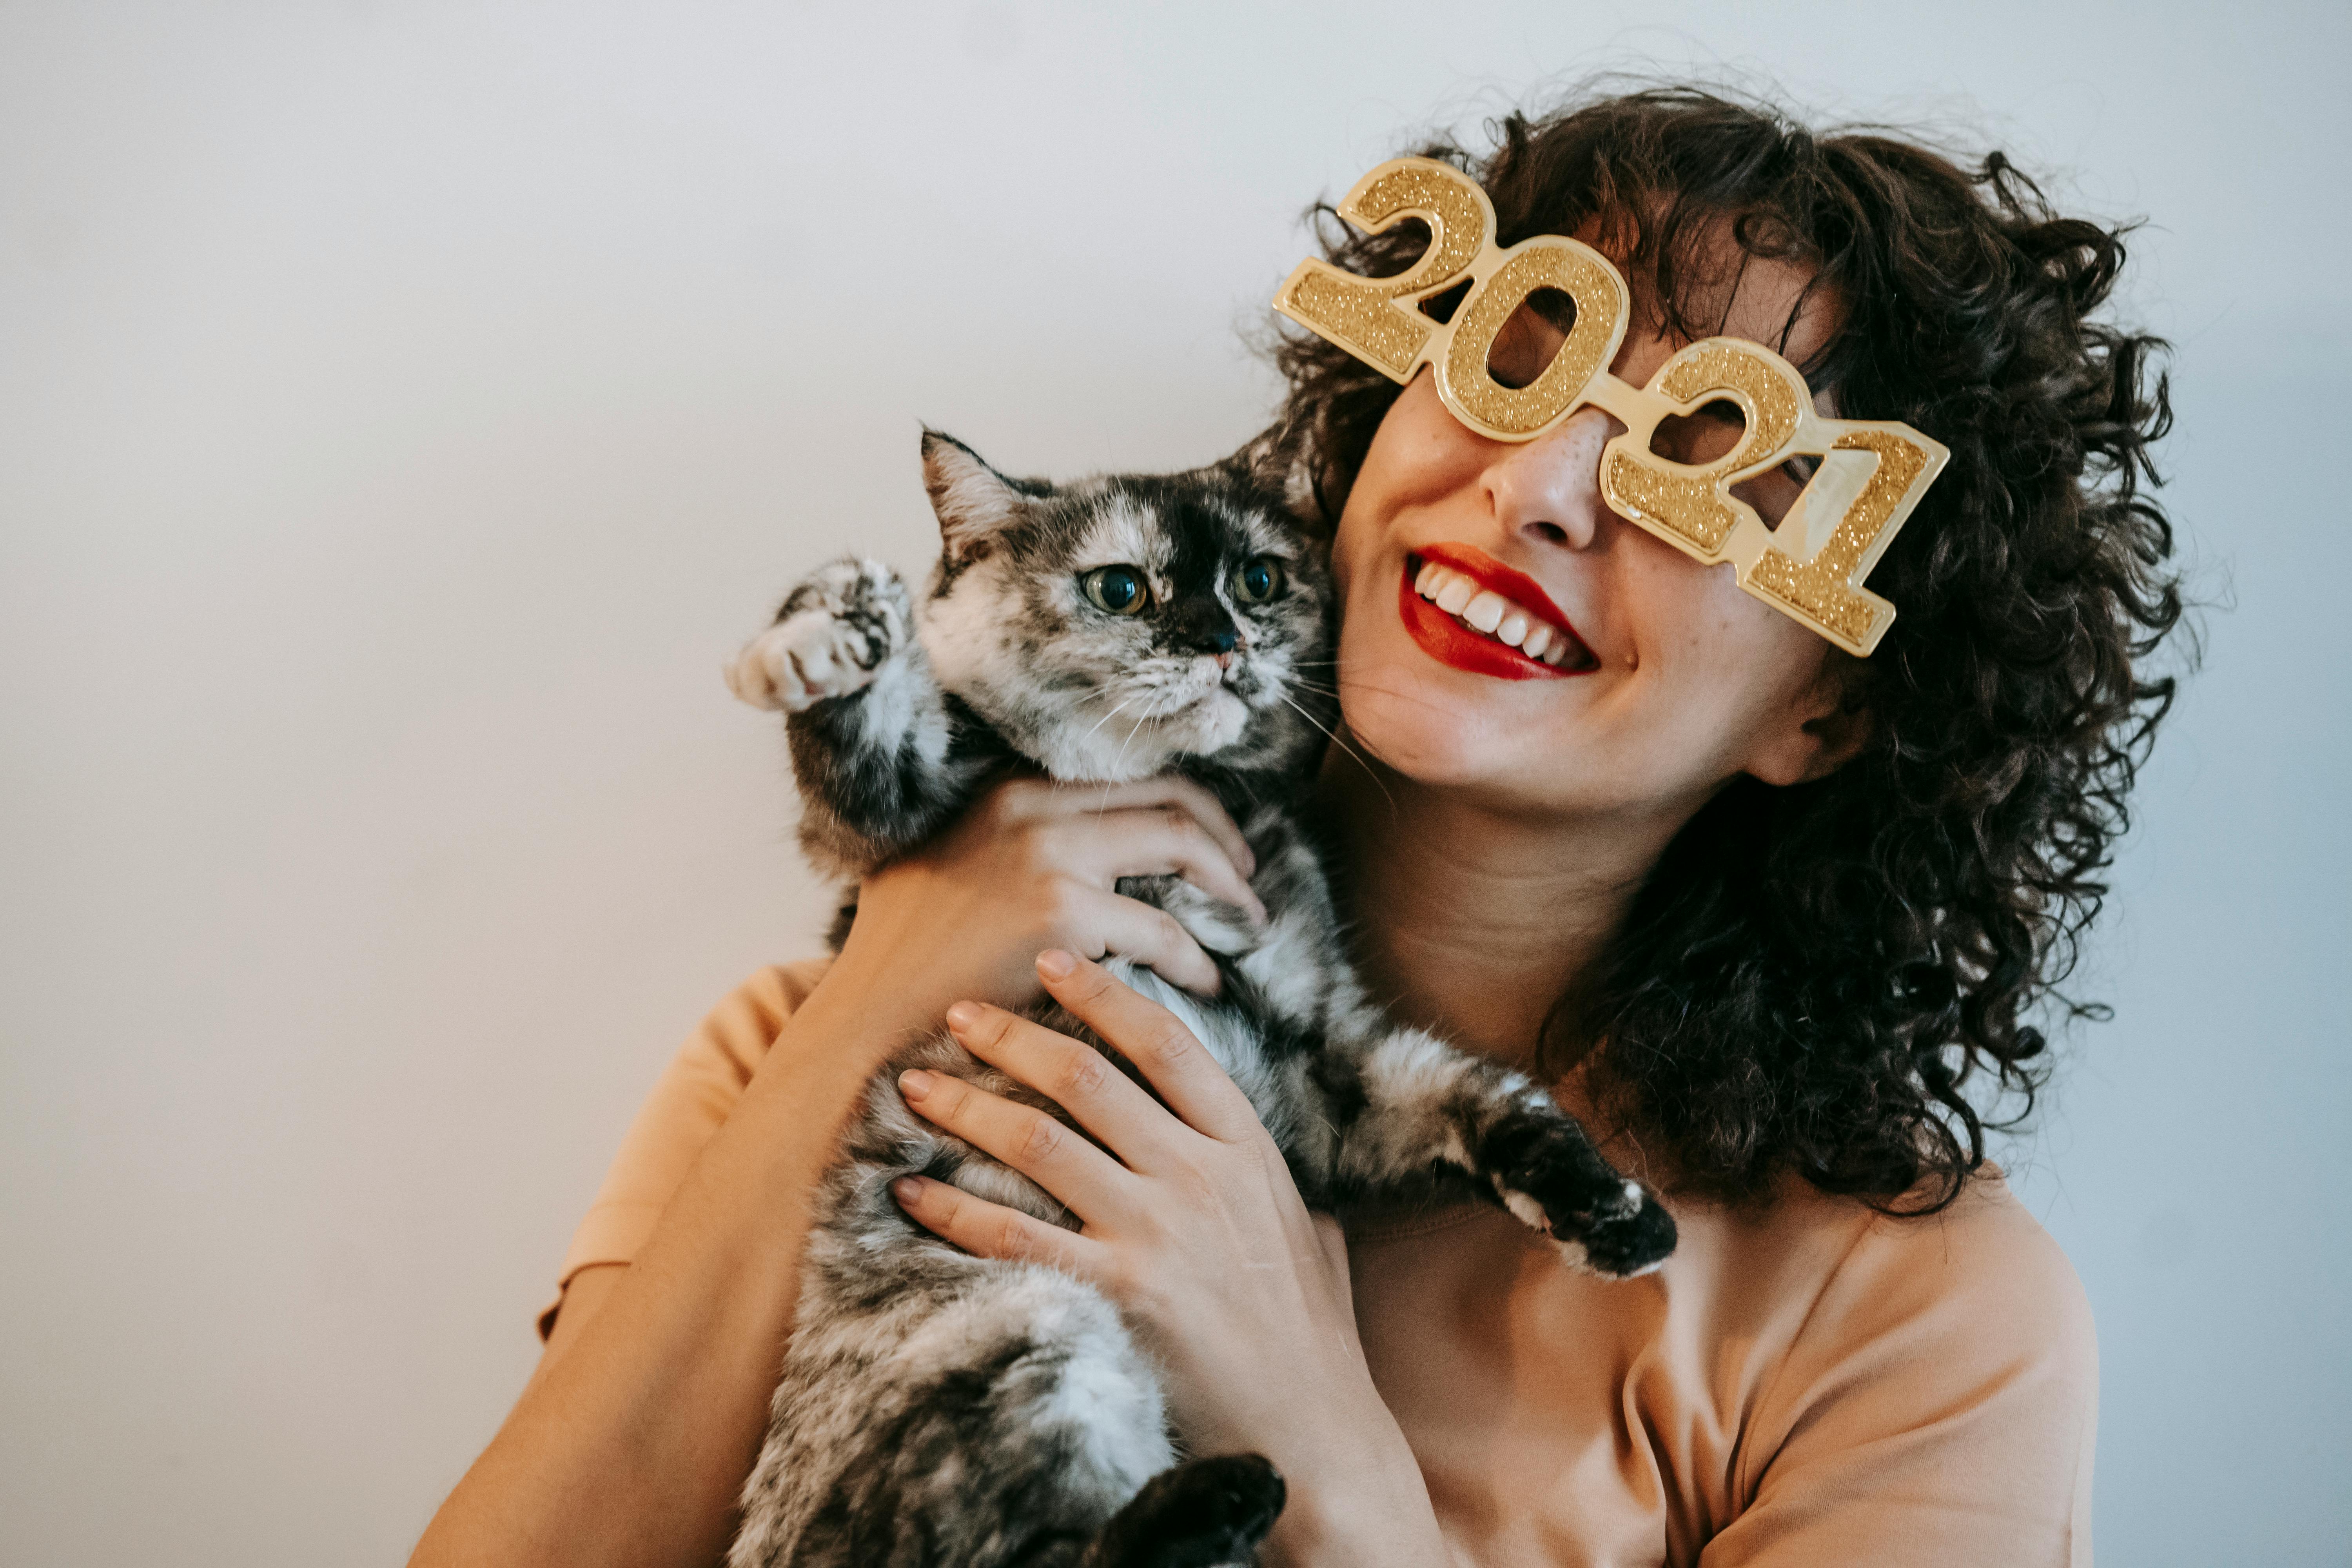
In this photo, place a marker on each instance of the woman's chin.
(1418, 733)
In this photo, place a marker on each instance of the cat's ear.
(1280, 462)
(974, 503)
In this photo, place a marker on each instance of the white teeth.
(1490, 613)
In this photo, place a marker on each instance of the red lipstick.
(1447, 640)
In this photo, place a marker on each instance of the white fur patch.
(965, 632)
(1107, 1393)
(1291, 963)
(1416, 1068)
(893, 702)
(1529, 1211)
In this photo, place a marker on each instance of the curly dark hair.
(1827, 978)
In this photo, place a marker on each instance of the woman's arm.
(631, 1441)
(629, 1444)
(1192, 1224)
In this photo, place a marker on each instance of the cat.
(938, 1408)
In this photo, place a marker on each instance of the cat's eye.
(1118, 589)
(1258, 579)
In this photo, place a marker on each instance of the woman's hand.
(1192, 1224)
(1034, 865)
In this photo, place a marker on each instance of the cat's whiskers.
(1176, 686)
(1338, 664)
(1108, 718)
(1370, 772)
(1117, 762)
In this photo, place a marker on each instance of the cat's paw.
(834, 632)
(1203, 1513)
(1602, 1222)
(1218, 927)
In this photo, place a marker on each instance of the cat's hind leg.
(939, 1411)
(1407, 1103)
(1205, 1513)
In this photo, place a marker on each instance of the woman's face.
(1673, 681)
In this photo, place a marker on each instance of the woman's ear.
(1827, 725)
(973, 500)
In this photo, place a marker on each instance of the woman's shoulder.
(1980, 1274)
(1964, 1333)
(1981, 1268)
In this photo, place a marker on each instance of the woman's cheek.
(1721, 693)
(1375, 704)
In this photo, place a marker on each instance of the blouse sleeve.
(694, 1096)
(1938, 1407)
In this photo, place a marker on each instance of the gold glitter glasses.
(1811, 566)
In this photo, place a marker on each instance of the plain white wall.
(405, 408)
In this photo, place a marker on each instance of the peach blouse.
(1804, 1384)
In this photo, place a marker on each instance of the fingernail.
(963, 1016)
(915, 1083)
(907, 1191)
(1056, 964)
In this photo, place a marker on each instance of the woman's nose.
(1549, 489)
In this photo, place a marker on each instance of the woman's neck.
(1471, 921)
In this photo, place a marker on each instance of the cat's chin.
(1112, 754)
(1203, 729)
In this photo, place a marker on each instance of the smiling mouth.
(1474, 613)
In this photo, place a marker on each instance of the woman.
(1762, 911)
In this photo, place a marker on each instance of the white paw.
(831, 639)
(1524, 1208)
(1217, 926)
(798, 661)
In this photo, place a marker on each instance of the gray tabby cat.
(938, 1408)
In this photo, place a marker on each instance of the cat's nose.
(1203, 627)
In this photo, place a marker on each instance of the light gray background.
(405, 408)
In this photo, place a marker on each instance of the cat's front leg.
(1408, 1103)
(831, 638)
(873, 737)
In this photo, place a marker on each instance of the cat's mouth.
(1196, 704)
(1512, 628)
